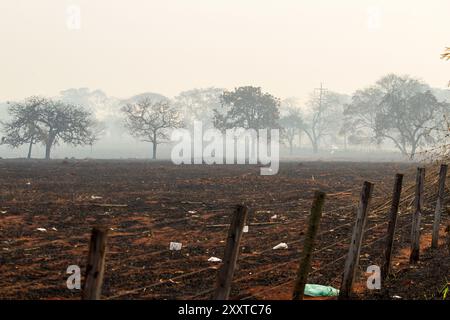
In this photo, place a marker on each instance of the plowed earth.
(146, 205)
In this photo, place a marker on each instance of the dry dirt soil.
(146, 205)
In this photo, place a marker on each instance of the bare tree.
(324, 115)
(291, 125)
(151, 120)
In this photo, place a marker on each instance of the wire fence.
(377, 233)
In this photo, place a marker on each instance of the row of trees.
(399, 109)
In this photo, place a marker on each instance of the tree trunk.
(154, 151)
(315, 147)
(413, 152)
(48, 147)
(30, 147)
(291, 146)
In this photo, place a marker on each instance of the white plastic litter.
(274, 217)
(192, 211)
(3, 212)
(281, 245)
(41, 229)
(96, 197)
(54, 229)
(28, 183)
(396, 297)
(175, 246)
(214, 259)
(245, 230)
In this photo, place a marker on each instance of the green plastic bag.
(317, 290)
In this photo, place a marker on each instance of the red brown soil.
(154, 203)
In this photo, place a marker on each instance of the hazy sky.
(286, 46)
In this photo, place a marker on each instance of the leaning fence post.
(352, 260)
(391, 226)
(439, 206)
(415, 229)
(305, 261)
(225, 274)
(95, 265)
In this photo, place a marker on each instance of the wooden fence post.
(351, 263)
(96, 264)
(415, 229)
(439, 206)
(225, 274)
(391, 226)
(305, 261)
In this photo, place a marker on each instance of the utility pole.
(322, 91)
(316, 118)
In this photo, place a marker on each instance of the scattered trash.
(396, 297)
(245, 230)
(274, 216)
(281, 245)
(96, 197)
(3, 212)
(317, 290)
(175, 246)
(192, 211)
(54, 229)
(41, 229)
(28, 183)
(214, 259)
(149, 233)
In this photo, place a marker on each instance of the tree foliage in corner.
(151, 120)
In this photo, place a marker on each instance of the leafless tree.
(323, 117)
(292, 125)
(151, 121)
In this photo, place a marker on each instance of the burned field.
(47, 210)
